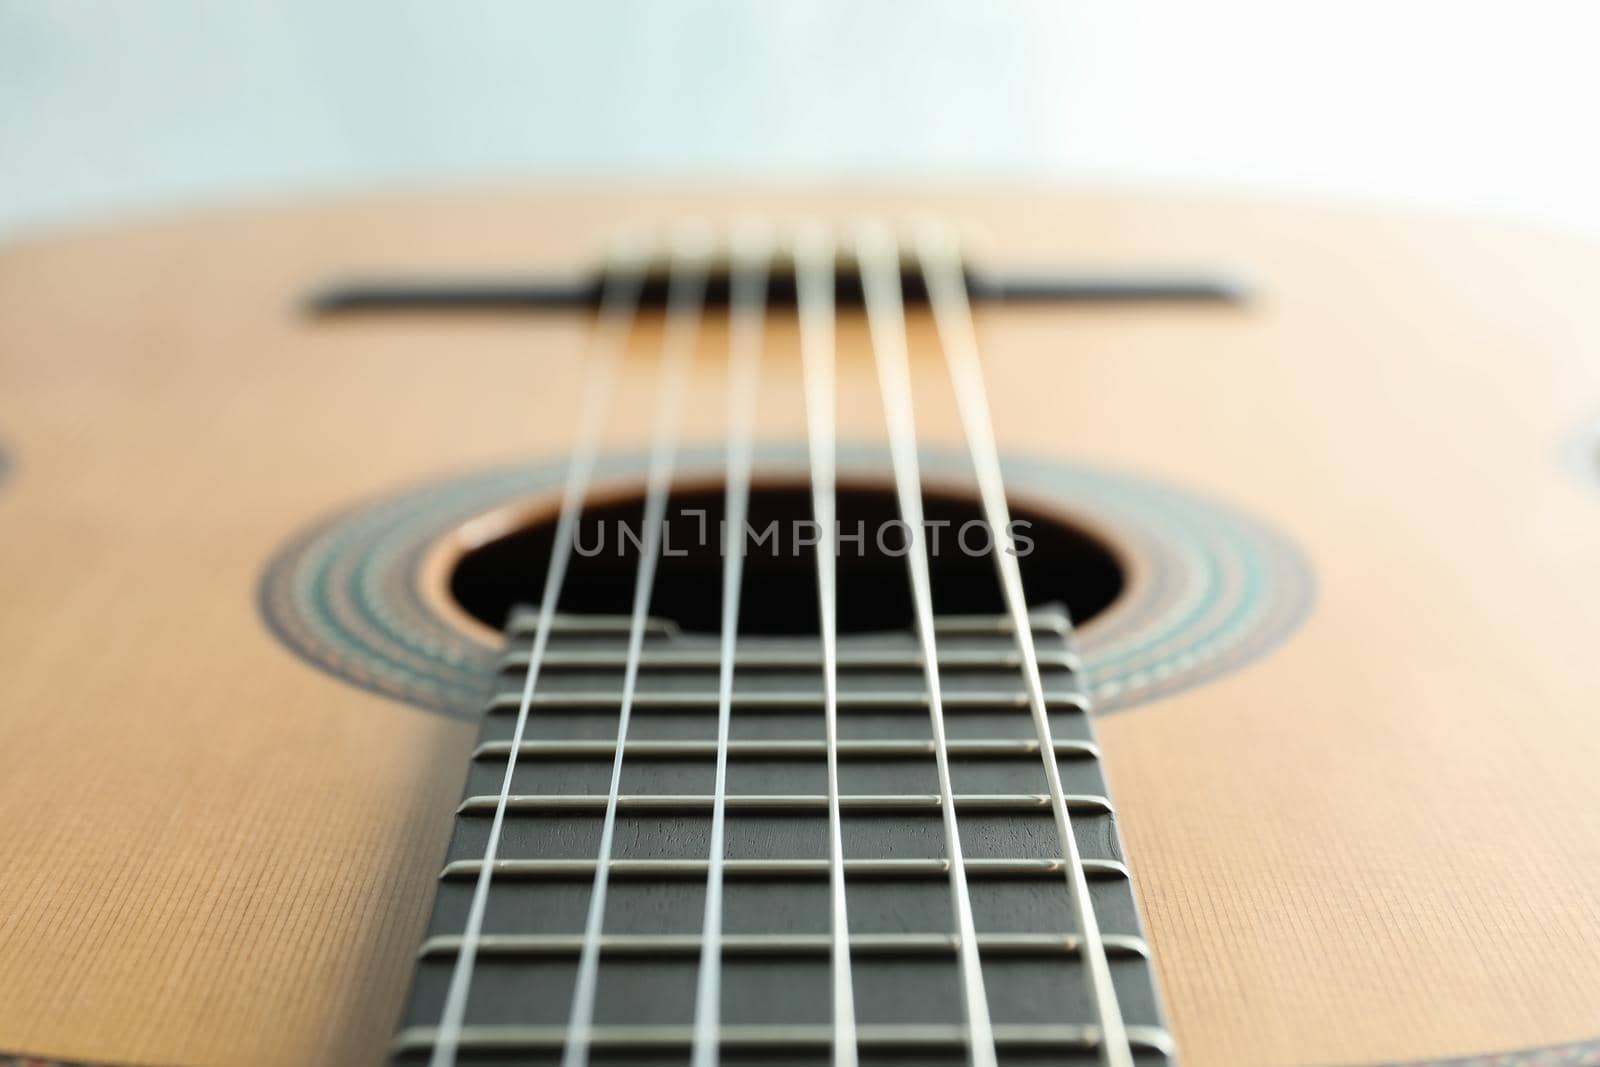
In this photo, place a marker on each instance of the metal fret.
(864, 802)
(989, 700)
(884, 868)
(563, 945)
(524, 620)
(776, 658)
(885, 749)
(877, 1037)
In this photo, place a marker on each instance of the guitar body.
(1372, 836)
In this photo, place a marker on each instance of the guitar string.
(939, 257)
(619, 302)
(750, 262)
(814, 293)
(689, 267)
(953, 319)
(879, 260)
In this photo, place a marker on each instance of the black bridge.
(579, 292)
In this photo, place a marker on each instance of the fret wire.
(520, 624)
(782, 945)
(881, 283)
(991, 701)
(693, 659)
(814, 256)
(868, 802)
(751, 256)
(895, 1038)
(1017, 867)
(877, 748)
(623, 283)
(691, 258)
(939, 256)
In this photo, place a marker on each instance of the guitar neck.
(779, 976)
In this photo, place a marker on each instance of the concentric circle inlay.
(1216, 588)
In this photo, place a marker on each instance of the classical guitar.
(815, 630)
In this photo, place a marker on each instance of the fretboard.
(777, 972)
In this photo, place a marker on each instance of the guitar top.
(1162, 632)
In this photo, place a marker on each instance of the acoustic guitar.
(622, 628)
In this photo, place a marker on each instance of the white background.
(110, 107)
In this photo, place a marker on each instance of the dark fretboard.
(776, 986)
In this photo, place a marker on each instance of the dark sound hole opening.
(779, 594)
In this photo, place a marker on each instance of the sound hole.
(779, 596)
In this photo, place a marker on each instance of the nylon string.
(814, 282)
(690, 263)
(624, 280)
(939, 257)
(879, 260)
(751, 257)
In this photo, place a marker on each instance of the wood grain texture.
(1378, 843)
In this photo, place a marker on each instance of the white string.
(814, 285)
(624, 279)
(940, 260)
(879, 261)
(691, 256)
(751, 256)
